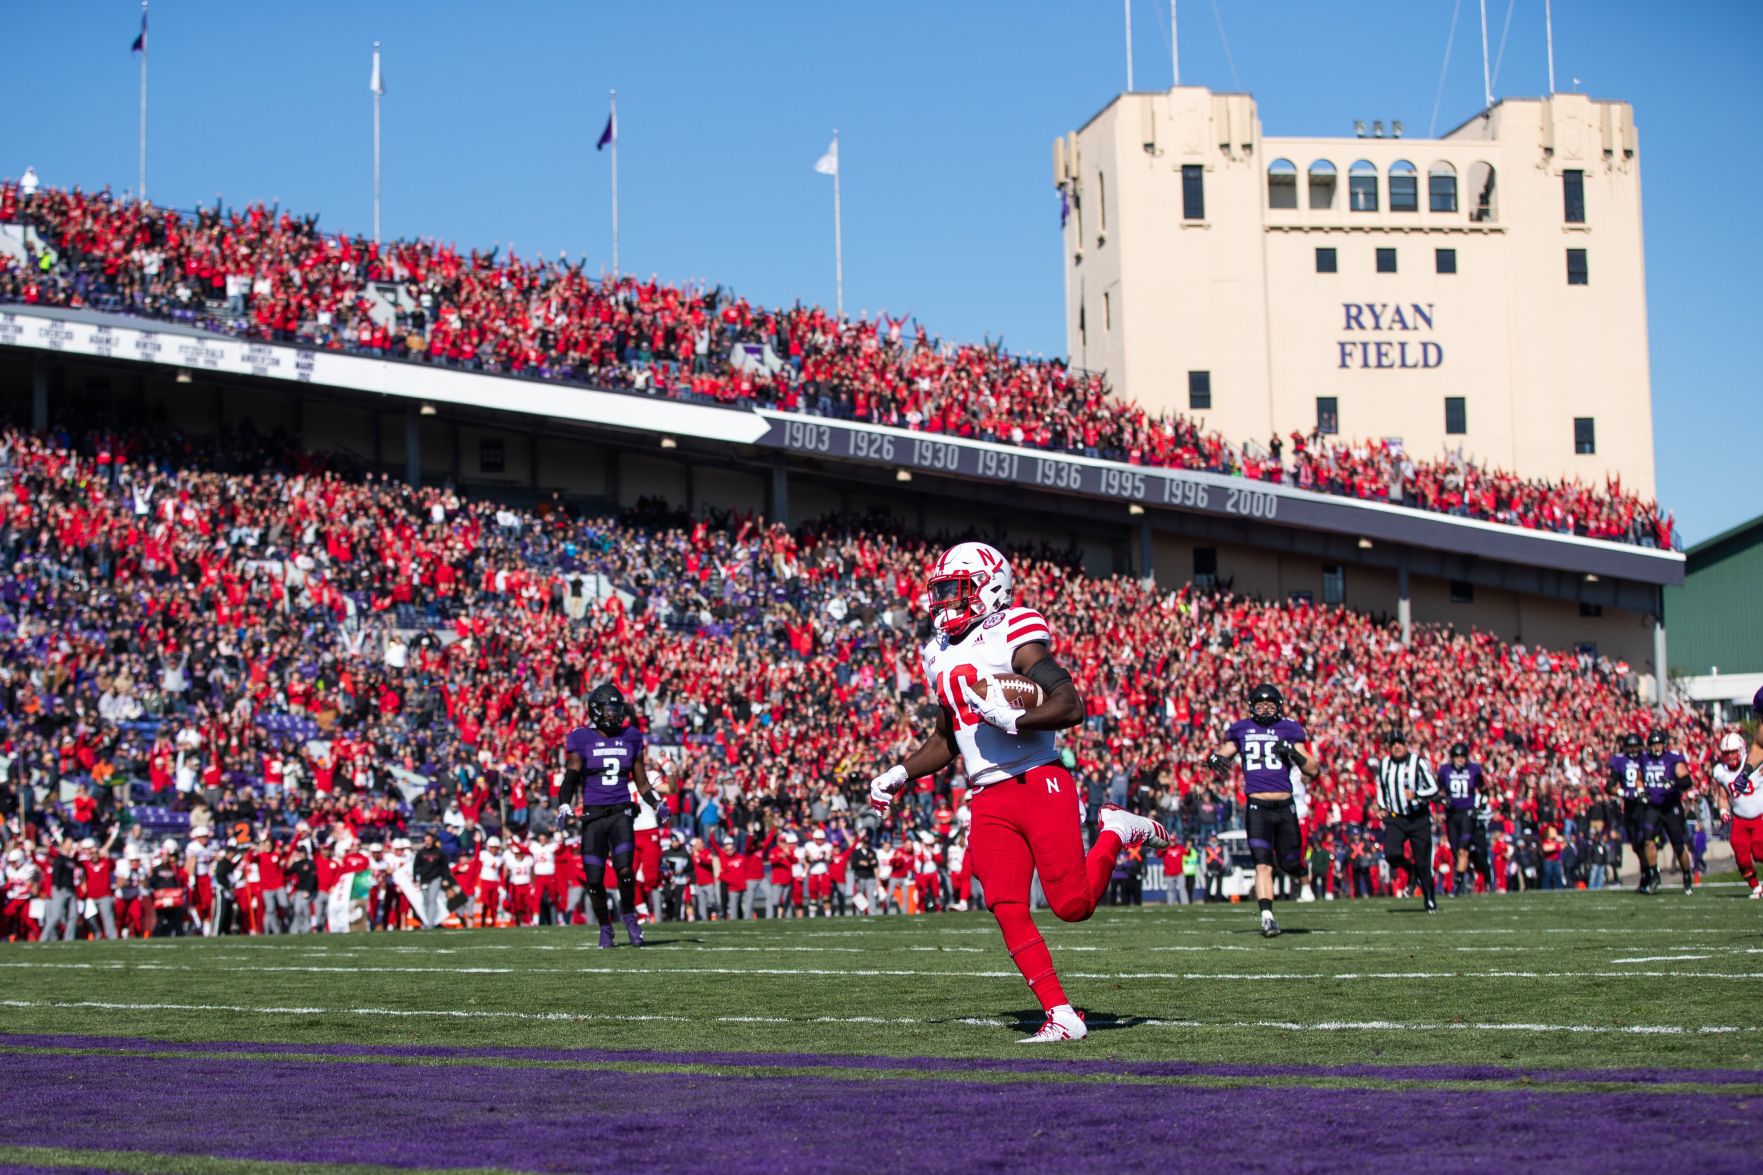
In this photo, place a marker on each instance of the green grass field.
(1573, 994)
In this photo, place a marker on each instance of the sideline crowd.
(225, 664)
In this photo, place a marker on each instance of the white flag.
(828, 164)
(378, 84)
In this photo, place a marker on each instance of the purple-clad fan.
(1665, 776)
(1269, 745)
(604, 760)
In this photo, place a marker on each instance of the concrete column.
(39, 396)
(412, 446)
(1404, 606)
(778, 508)
(1147, 565)
(1661, 672)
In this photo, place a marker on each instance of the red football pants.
(1747, 843)
(523, 904)
(1031, 824)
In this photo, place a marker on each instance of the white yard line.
(1281, 1025)
(892, 973)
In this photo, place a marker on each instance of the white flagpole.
(1129, 46)
(1174, 44)
(614, 116)
(1487, 85)
(143, 179)
(1549, 33)
(379, 91)
(838, 230)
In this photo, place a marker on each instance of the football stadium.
(464, 711)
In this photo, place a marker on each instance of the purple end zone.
(549, 1120)
(1038, 1066)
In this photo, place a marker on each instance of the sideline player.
(605, 761)
(1406, 790)
(1625, 781)
(1270, 745)
(1027, 814)
(1742, 802)
(1665, 775)
(1464, 787)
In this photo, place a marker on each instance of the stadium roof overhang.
(1227, 509)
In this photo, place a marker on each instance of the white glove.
(993, 708)
(563, 812)
(883, 787)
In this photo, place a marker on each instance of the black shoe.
(1432, 907)
(1269, 928)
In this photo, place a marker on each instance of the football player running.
(1269, 745)
(1743, 805)
(1027, 815)
(604, 760)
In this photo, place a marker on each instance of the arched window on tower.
(1282, 184)
(1323, 183)
(1362, 186)
(1483, 194)
(1404, 187)
(1441, 187)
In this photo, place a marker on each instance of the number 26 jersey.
(989, 754)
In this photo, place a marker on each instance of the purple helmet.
(1757, 703)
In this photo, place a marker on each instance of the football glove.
(993, 708)
(883, 787)
(1218, 764)
(1284, 751)
(564, 812)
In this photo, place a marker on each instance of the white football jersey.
(1742, 786)
(990, 755)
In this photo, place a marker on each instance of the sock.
(1028, 950)
(602, 911)
(1099, 863)
(1266, 908)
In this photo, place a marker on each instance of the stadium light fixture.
(1365, 544)
(183, 375)
(1590, 578)
(1135, 509)
(1397, 129)
(1359, 128)
(426, 410)
(669, 443)
(902, 475)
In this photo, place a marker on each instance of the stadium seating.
(291, 645)
(267, 273)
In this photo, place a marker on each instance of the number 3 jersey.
(609, 764)
(988, 648)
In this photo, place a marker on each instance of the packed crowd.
(321, 666)
(267, 273)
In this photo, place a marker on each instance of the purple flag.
(608, 135)
(140, 45)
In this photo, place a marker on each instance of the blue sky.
(946, 112)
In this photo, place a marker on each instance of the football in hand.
(1019, 691)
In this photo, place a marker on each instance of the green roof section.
(1715, 621)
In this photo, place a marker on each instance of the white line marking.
(1662, 959)
(897, 973)
(1283, 1025)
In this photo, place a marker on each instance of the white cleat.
(1757, 893)
(1063, 1023)
(1131, 828)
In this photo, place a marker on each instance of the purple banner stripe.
(1036, 1066)
(543, 1120)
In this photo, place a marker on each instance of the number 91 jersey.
(989, 754)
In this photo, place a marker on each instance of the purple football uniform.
(1626, 770)
(609, 764)
(1462, 785)
(1264, 771)
(1659, 777)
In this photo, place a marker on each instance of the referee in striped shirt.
(1406, 790)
